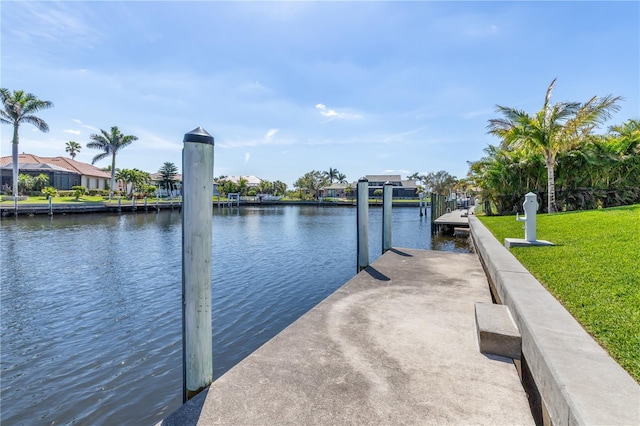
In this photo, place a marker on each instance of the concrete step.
(497, 331)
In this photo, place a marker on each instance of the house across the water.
(63, 173)
(401, 188)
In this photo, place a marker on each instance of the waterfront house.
(63, 173)
(401, 188)
(176, 190)
(252, 181)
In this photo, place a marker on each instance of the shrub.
(66, 193)
(101, 192)
(49, 191)
(78, 191)
(252, 193)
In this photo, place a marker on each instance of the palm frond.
(99, 157)
(39, 123)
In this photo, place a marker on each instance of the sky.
(288, 87)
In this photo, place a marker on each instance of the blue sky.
(288, 87)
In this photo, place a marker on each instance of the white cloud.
(151, 142)
(247, 155)
(332, 114)
(86, 126)
(268, 137)
(73, 132)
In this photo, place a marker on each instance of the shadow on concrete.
(189, 414)
(401, 253)
(376, 274)
(498, 358)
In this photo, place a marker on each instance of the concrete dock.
(395, 345)
(456, 218)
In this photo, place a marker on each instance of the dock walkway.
(456, 218)
(395, 345)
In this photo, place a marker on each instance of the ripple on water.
(91, 314)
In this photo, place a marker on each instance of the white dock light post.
(197, 172)
(387, 203)
(363, 223)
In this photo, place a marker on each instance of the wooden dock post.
(50, 206)
(197, 351)
(387, 203)
(362, 220)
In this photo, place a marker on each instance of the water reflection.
(91, 314)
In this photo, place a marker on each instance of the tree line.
(556, 154)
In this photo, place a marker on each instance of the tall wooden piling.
(362, 219)
(387, 203)
(197, 172)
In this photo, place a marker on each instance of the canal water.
(90, 304)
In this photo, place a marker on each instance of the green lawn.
(86, 199)
(594, 271)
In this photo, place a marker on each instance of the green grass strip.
(594, 271)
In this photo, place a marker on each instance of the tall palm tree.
(73, 148)
(19, 107)
(331, 174)
(554, 129)
(110, 143)
(342, 178)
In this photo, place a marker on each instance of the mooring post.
(362, 219)
(421, 196)
(197, 172)
(119, 204)
(145, 203)
(387, 204)
(50, 206)
(133, 202)
(157, 198)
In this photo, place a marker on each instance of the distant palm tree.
(554, 129)
(73, 148)
(19, 107)
(110, 143)
(341, 178)
(242, 186)
(331, 174)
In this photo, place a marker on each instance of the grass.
(594, 271)
(87, 199)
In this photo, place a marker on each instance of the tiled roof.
(66, 163)
(251, 180)
(383, 178)
(34, 167)
(157, 177)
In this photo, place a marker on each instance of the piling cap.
(363, 179)
(387, 183)
(198, 135)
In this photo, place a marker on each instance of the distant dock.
(456, 220)
(395, 345)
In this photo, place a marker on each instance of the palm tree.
(342, 178)
(110, 143)
(279, 188)
(73, 148)
(19, 107)
(242, 186)
(554, 129)
(331, 174)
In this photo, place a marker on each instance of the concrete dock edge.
(579, 383)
